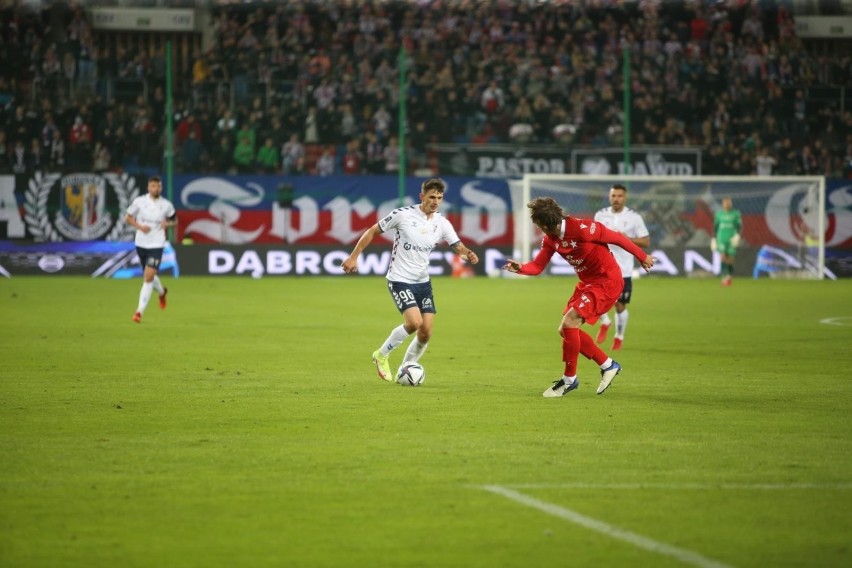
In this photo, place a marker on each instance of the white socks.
(620, 324)
(158, 286)
(415, 351)
(144, 296)
(396, 337)
(604, 319)
(606, 364)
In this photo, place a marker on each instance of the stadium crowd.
(729, 76)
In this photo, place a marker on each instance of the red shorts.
(595, 299)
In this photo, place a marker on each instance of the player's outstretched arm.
(512, 265)
(350, 265)
(648, 263)
(468, 254)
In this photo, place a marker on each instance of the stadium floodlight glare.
(782, 212)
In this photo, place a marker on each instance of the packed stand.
(312, 87)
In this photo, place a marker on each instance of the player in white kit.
(629, 223)
(419, 228)
(150, 215)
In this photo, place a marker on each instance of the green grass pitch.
(245, 426)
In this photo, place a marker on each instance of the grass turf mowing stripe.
(685, 556)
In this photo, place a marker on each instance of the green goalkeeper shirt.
(727, 224)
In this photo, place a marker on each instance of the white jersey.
(629, 223)
(151, 212)
(415, 238)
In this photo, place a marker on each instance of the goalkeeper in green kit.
(727, 225)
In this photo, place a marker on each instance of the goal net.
(783, 218)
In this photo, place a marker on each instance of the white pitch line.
(841, 321)
(685, 556)
(685, 486)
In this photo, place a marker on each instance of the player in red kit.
(583, 243)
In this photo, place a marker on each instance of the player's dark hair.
(546, 213)
(155, 179)
(619, 186)
(437, 184)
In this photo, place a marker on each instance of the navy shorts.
(626, 291)
(407, 296)
(150, 257)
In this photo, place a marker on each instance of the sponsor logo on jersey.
(593, 228)
(410, 246)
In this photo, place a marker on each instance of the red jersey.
(583, 244)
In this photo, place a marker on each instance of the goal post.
(784, 218)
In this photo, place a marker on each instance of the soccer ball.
(411, 374)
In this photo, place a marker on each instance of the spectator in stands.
(69, 74)
(375, 154)
(221, 158)
(19, 158)
(268, 157)
(143, 138)
(51, 70)
(325, 163)
(100, 158)
(118, 146)
(381, 122)
(348, 126)
(80, 143)
(201, 73)
(352, 159)
(291, 153)
(294, 116)
(391, 155)
(764, 163)
(192, 152)
(808, 164)
(419, 139)
(56, 156)
(188, 125)
(459, 55)
(20, 127)
(244, 149)
(47, 131)
(226, 124)
(86, 61)
(493, 99)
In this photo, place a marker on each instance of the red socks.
(574, 342)
(590, 350)
(570, 349)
